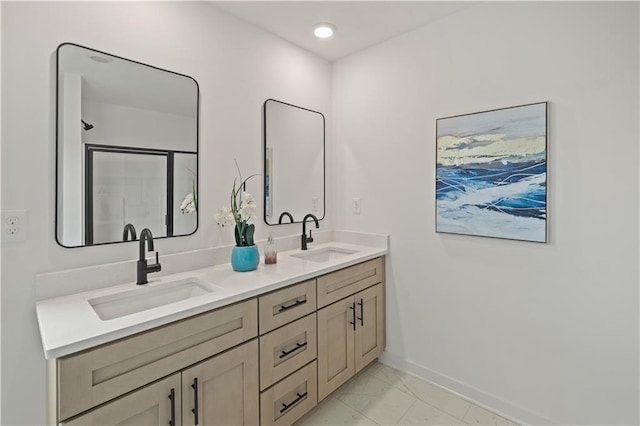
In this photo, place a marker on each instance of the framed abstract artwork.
(491, 173)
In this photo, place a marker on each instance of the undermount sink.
(148, 297)
(324, 254)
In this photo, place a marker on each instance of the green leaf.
(248, 234)
(195, 194)
(237, 234)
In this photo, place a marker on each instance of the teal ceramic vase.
(245, 258)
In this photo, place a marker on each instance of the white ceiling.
(359, 24)
(128, 83)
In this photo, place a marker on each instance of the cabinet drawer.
(286, 349)
(290, 399)
(340, 284)
(97, 375)
(283, 306)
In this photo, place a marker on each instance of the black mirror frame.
(265, 165)
(57, 146)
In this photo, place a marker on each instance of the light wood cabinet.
(350, 336)
(220, 391)
(152, 405)
(336, 362)
(223, 390)
(369, 336)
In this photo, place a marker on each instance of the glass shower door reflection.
(127, 187)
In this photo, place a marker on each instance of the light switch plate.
(357, 206)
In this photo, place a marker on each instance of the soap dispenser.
(270, 252)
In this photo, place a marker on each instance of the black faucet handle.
(309, 238)
(156, 267)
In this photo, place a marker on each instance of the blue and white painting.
(491, 173)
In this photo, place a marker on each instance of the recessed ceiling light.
(101, 59)
(324, 30)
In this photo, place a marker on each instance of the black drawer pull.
(353, 308)
(300, 397)
(195, 396)
(289, 352)
(291, 306)
(172, 398)
(361, 303)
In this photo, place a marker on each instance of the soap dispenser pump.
(270, 252)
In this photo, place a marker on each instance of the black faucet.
(308, 239)
(282, 215)
(143, 268)
(129, 229)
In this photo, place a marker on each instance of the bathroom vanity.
(262, 348)
(202, 345)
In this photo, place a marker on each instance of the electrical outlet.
(14, 226)
(314, 204)
(357, 206)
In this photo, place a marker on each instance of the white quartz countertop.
(69, 323)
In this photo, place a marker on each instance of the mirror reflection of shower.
(133, 117)
(86, 125)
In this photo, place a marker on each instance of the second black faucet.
(143, 269)
(308, 239)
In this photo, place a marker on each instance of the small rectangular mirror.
(126, 149)
(294, 182)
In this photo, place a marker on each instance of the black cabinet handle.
(353, 308)
(289, 352)
(172, 398)
(291, 306)
(361, 303)
(195, 395)
(300, 397)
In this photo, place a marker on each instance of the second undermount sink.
(148, 297)
(323, 254)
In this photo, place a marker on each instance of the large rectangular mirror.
(294, 140)
(126, 149)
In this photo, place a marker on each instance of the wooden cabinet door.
(369, 336)
(335, 346)
(223, 390)
(153, 405)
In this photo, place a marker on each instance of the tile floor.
(381, 395)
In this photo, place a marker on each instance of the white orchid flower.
(224, 216)
(188, 205)
(246, 212)
(247, 199)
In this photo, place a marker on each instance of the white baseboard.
(472, 394)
